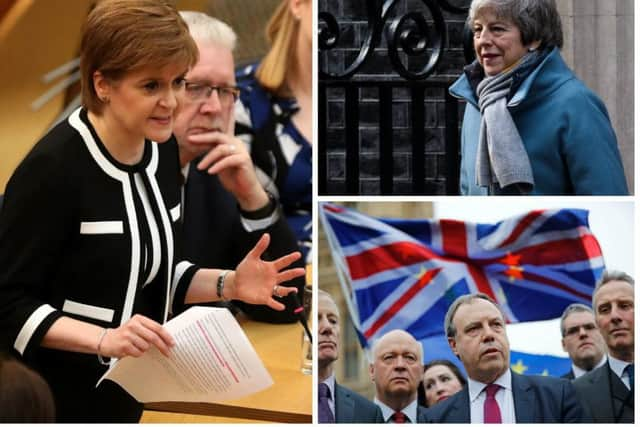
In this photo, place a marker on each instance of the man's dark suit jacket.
(593, 389)
(213, 237)
(569, 375)
(536, 399)
(422, 415)
(353, 408)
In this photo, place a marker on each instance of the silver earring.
(532, 49)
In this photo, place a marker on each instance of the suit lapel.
(345, 406)
(523, 401)
(600, 381)
(620, 393)
(421, 417)
(461, 408)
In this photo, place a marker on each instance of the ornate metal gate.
(416, 39)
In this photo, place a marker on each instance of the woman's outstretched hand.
(257, 281)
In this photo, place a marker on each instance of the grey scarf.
(501, 158)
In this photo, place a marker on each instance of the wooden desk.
(287, 400)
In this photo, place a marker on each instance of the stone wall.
(598, 36)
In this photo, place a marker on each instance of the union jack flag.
(404, 274)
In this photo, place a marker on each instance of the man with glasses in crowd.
(582, 340)
(225, 210)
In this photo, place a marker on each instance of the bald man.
(396, 371)
(336, 404)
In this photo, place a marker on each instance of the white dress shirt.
(578, 372)
(504, 397)
(410, 411)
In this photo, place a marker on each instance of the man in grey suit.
(582, 340)
(475, 328)
(336, 404)
(607, 393)
(396, 370)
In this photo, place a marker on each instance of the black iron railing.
(415, 43)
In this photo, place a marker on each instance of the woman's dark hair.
(25, 397)
(422, 396)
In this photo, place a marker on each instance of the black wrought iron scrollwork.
(330, 33)
(416, 40)
(410, 33)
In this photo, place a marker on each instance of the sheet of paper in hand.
(212, 361)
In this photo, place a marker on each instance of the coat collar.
(345, 407)
(555, 74)
(460, 407)
(523, 400)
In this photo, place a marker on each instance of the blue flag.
(404, 274)
(535, 364)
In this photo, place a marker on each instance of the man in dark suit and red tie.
(396, 370)
(336, 404)
(475, 328)
(606, 393)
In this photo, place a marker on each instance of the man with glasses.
(225, 210)
(582, 340)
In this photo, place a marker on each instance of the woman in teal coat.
(530, 126)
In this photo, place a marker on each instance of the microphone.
(298, 310)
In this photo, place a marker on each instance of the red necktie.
(399, 417)
(491, 408)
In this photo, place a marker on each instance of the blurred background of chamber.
(39, 47)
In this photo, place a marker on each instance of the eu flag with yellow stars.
(537, 364)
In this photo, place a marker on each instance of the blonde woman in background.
(274, 115)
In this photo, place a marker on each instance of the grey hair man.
(475, 328)
(396, 371)
(224, 207)
(336, 404)
(607, 392)
(582, 340)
